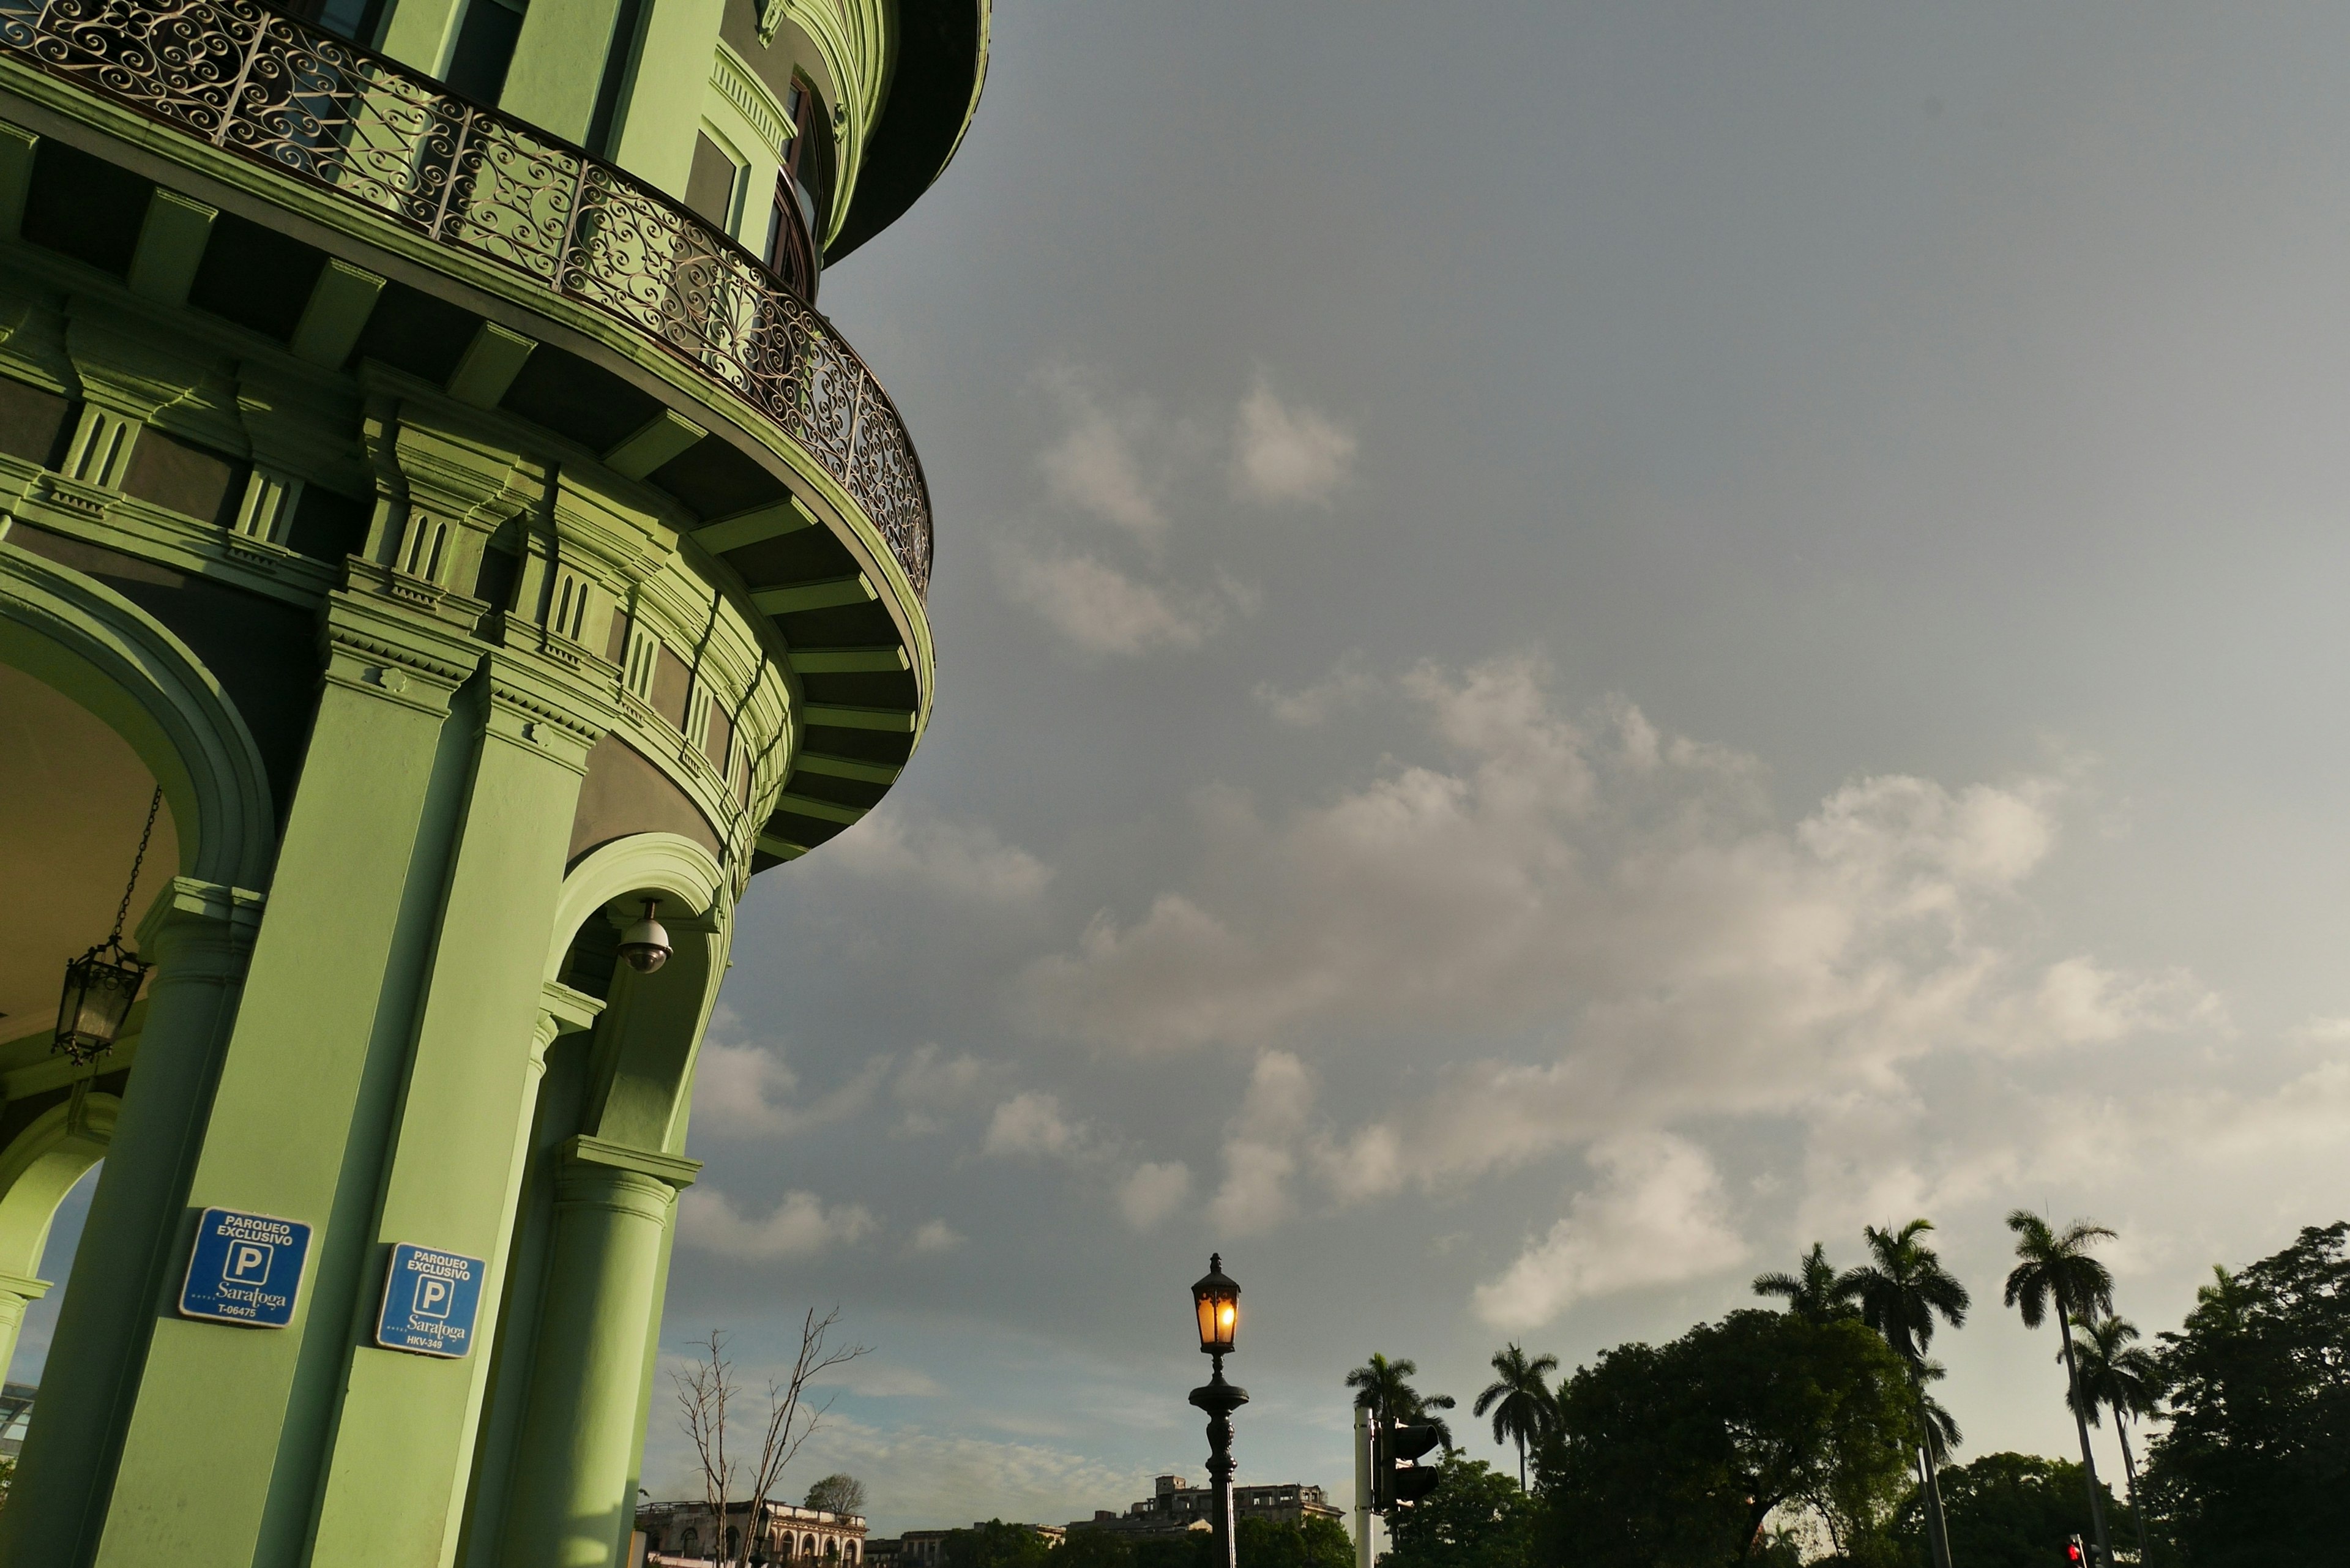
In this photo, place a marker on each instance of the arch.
(124, 666)
(650, 1033)
(807, 1545)
(40, 1165)
(665, 864)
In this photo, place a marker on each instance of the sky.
(1577, 646)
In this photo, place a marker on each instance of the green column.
(17, 1292)
(303, 1106)
(570, 1506)
(663, 110)
(402, 1443)
(558, 63)
(199, 937)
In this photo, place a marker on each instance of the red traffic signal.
(2074, 1556)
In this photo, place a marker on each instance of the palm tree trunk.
(2137, 1507)
(1522, 1462)
(1937, 1539)
(2088, 1458)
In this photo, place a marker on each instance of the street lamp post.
(1216, 1299)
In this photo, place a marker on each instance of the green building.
(424, 472)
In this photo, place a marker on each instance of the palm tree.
(1810, 1292)
(1900, 1291)
(2123, 1380)
(1384, 1388)
(1942, 1432)
(1520, 1400)
(2054, 1266)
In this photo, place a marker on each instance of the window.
(485, 46)
(692, 1545)
(709, 185)
(807, 160)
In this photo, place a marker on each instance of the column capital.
(24, 1287)
(381, 645)
(200, 930)
(673, 1171)
(545, 705)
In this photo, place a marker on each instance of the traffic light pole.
(1220, 1399)
(1366, 1547)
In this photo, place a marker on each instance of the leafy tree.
(1519, 1397)
(1900, 1291)
(2255, 1465)
(1811, 1291)
(837, 1494)
(1384, 1388)
(1675, 1456)
(1474, 1519)
(2120, 1377)
(2054, 1266)
(2009, 1511)
(1091, 1548)
(1270, 1543)
(995, 1544)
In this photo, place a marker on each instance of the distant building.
(1175, 1505)
(927, 1548)
(687, 1533)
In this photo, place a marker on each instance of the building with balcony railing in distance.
(688, 1533)
(444, 555)
(1175, 1505)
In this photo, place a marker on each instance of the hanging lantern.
(102, 983)
(100, 986)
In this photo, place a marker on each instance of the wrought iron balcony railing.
(254, 81)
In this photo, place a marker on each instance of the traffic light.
(2074, 1556)
(1395, 1479)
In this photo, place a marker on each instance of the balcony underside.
(778, 528)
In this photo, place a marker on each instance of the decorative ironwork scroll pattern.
(242, 76)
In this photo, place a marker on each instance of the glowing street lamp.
(1216, 1302)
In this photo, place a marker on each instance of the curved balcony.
(252, 81)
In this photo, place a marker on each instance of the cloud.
(1152, 1191)
(933, 1086)
(1031, 1125)
(1656, 1218)
(1103, 462)
(748, 1091)
(1616, 914)
(1261, 1146)
(935, 1236)
(799, 1225)
(1287, 453)
(1105, 610)
(910, 843)
(871, 1379)
(1349, 684)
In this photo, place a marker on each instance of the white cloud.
(1030, 1124)
(1349, 684)
(749, 1091)
(1152, 1191)
(1103, 609)
(910, 843)
(933, 1086)
(1656, 1218)
(799, 1225)
(1104, 462)
(935, 1236)
(872, 1379)
(1621, 906)
(1288, 452)
(1261, 1146)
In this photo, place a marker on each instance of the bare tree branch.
(705, 1394)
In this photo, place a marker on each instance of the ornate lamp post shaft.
(1220, 1399)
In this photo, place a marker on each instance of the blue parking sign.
(245, 1269)
(430, 1299)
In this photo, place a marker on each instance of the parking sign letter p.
(248, 1263)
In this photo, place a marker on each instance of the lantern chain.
(138, 860)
